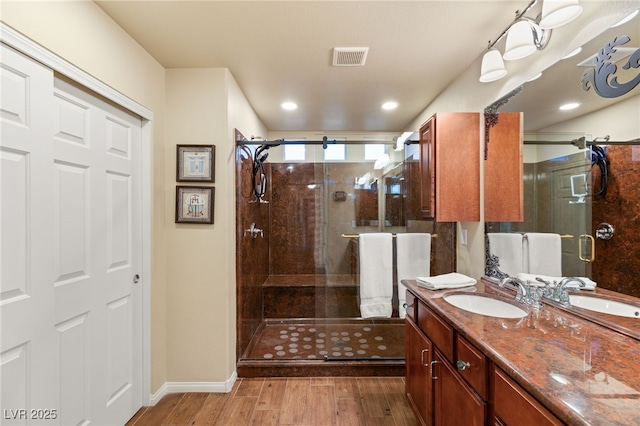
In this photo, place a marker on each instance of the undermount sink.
(485, 306)
(604, 306)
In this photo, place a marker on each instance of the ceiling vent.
(349, 56)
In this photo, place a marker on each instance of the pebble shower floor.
(331, 341)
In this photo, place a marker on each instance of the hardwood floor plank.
(322, 403)
(265, 417)
(211, 409)
(347, 387)
(349, 412)
(249, 387)
(272, 394)
(295, 405)
(373, 397)
(322, 381)
(161, 410)
(400, 407)
(186, 410)
(237, 411)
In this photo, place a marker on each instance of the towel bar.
(358, 235)
(563, 236)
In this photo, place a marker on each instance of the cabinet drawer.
(439, 332)
(514, 406)
(471, 365)
(412, 303)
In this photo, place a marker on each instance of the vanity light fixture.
(524, 38)
(492, 66)
(556, 13)
(525, 35)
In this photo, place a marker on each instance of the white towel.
(508, 248)
(376, 274)
(543, 254)
(451, 280)
(531, 280)
(413, 254)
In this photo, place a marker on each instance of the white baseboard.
(176, 387)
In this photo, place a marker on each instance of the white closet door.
(97, 239)
(88, 226)
(28, 357)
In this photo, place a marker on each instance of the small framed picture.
(195, 163)
(194, 204)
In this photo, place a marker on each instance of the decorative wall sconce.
(526, 35)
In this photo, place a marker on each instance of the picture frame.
(195, 163)
(194, 204)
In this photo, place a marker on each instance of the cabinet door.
(513, 406)
(503, 185)
(455, 403)
(427, 169)
(417, 381)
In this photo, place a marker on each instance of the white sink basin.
(485, 306)
(604, 306)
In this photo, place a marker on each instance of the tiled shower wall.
(617, 264)
(302, 225)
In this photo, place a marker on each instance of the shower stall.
(299, 216)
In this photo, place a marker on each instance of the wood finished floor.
(349, 401)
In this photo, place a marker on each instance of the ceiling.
(282, 51)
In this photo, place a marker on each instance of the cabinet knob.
(462, 365)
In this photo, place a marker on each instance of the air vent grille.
(349, 56)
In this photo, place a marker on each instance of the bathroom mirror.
(563, 189)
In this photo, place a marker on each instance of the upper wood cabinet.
(503, 187)
(450, 167)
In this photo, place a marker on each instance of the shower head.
(263, 158)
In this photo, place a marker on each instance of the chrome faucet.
(524, 294)
(560, 293)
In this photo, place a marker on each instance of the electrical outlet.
(463, 237)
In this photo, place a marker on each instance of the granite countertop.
(584, 373)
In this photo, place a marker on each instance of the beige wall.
(203, 107)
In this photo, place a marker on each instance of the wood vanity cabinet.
(438, 392)
(450, 167)
(503, 185)
(449, 381)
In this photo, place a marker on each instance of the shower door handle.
(592, 241)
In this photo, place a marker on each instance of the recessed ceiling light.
(626, 18)
(572, 53)
(389, 105)
(289, 106)
(567, 107)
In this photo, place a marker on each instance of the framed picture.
(195, 163)
(194, 204)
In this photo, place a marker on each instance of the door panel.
(71, 244)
